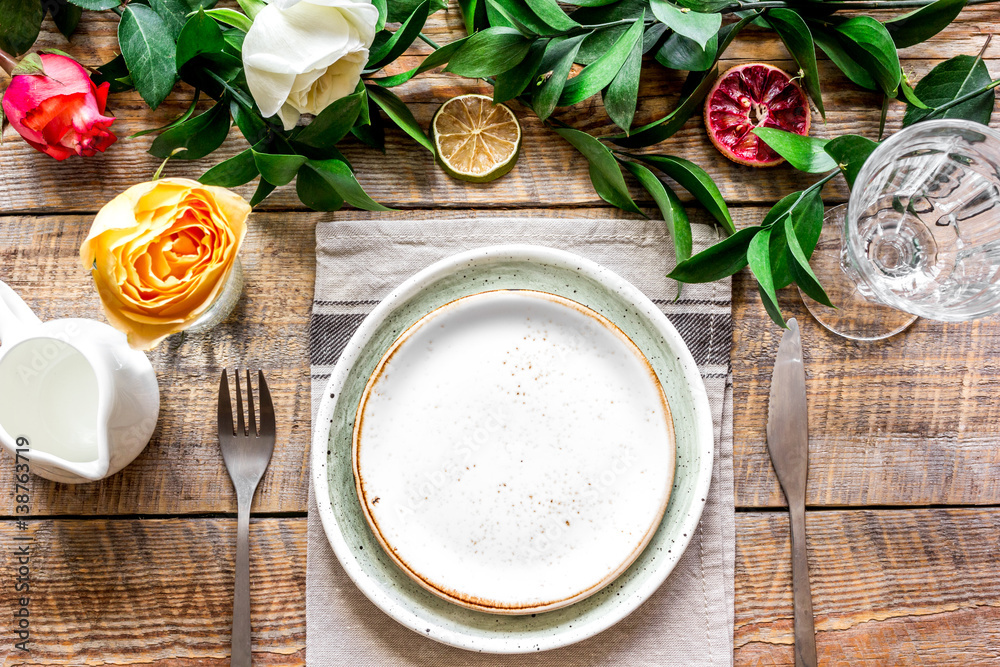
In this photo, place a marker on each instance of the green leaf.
(489, 52)
(237, 170)
(599, 41)
(513, 82)
(805, 209)
(670, 208)
(199, 35)
(553, 15)
(474, 15)
(253, 7)
(869, 43)
(695, 180)
(380, 5)
(316, 192)
(334, 122)
(948, 81)
(803, 153)
(706, 5)
(436, 59)
(562, 53)
(399, 10)
(173, 12)
(20, 21)
(230, 17)
(854, 71)
(114, 72)
(196, 137)
(923, 23)
(516, 14)
(718, 261)
(605, 173)
(149, 52)
(96, 5)
(341, 178)
(30, 65)
(680, 52)
(600, 73)
(252, 127)
(798, 40)
(175, 122)
(401, 39)
(696, 26)
(728, 32)
(264, 189)
(804, 276)
(661, 129)
(759, 259)
(622, 94)
(66, 17)
(400, 114)
(278, 168)
(850, 152)
(698, 84)
(910, 94)
(771, 307)
(372, 134)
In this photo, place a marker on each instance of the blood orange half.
(747, 97)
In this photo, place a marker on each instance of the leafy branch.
(529, 47)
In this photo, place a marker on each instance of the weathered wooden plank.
(908, 421)
(550, 172)
(156, 592)
(911, 416)
(889, 587)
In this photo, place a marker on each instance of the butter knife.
(788, 445)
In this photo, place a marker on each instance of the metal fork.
(246, 453)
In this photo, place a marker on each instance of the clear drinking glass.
(920, 234)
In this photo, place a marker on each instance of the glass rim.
(865, 176)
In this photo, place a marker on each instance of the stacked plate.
(513, 450)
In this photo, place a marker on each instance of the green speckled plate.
(485, 269)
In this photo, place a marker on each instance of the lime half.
(476, 140)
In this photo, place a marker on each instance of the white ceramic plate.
(513, 452)
(503, 268)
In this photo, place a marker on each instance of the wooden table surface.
(904, 483)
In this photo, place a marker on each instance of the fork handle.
(805, 633)
(241, 656)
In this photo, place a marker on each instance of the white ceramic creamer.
(72, 393)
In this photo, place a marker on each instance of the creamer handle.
(15, 315)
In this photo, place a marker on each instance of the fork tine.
(267, 427)
(225, 407)
(253, 419)
(241, 428)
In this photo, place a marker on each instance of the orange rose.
(161, 252)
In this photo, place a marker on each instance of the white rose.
(302, 55)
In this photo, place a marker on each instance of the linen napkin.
(689, 620)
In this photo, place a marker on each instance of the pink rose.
(61, 112)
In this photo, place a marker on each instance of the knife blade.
(788, 445)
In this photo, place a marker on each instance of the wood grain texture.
(913, 587)
(908, 421)
(549, 173)
(155, 592)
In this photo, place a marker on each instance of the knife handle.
(805, 632)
